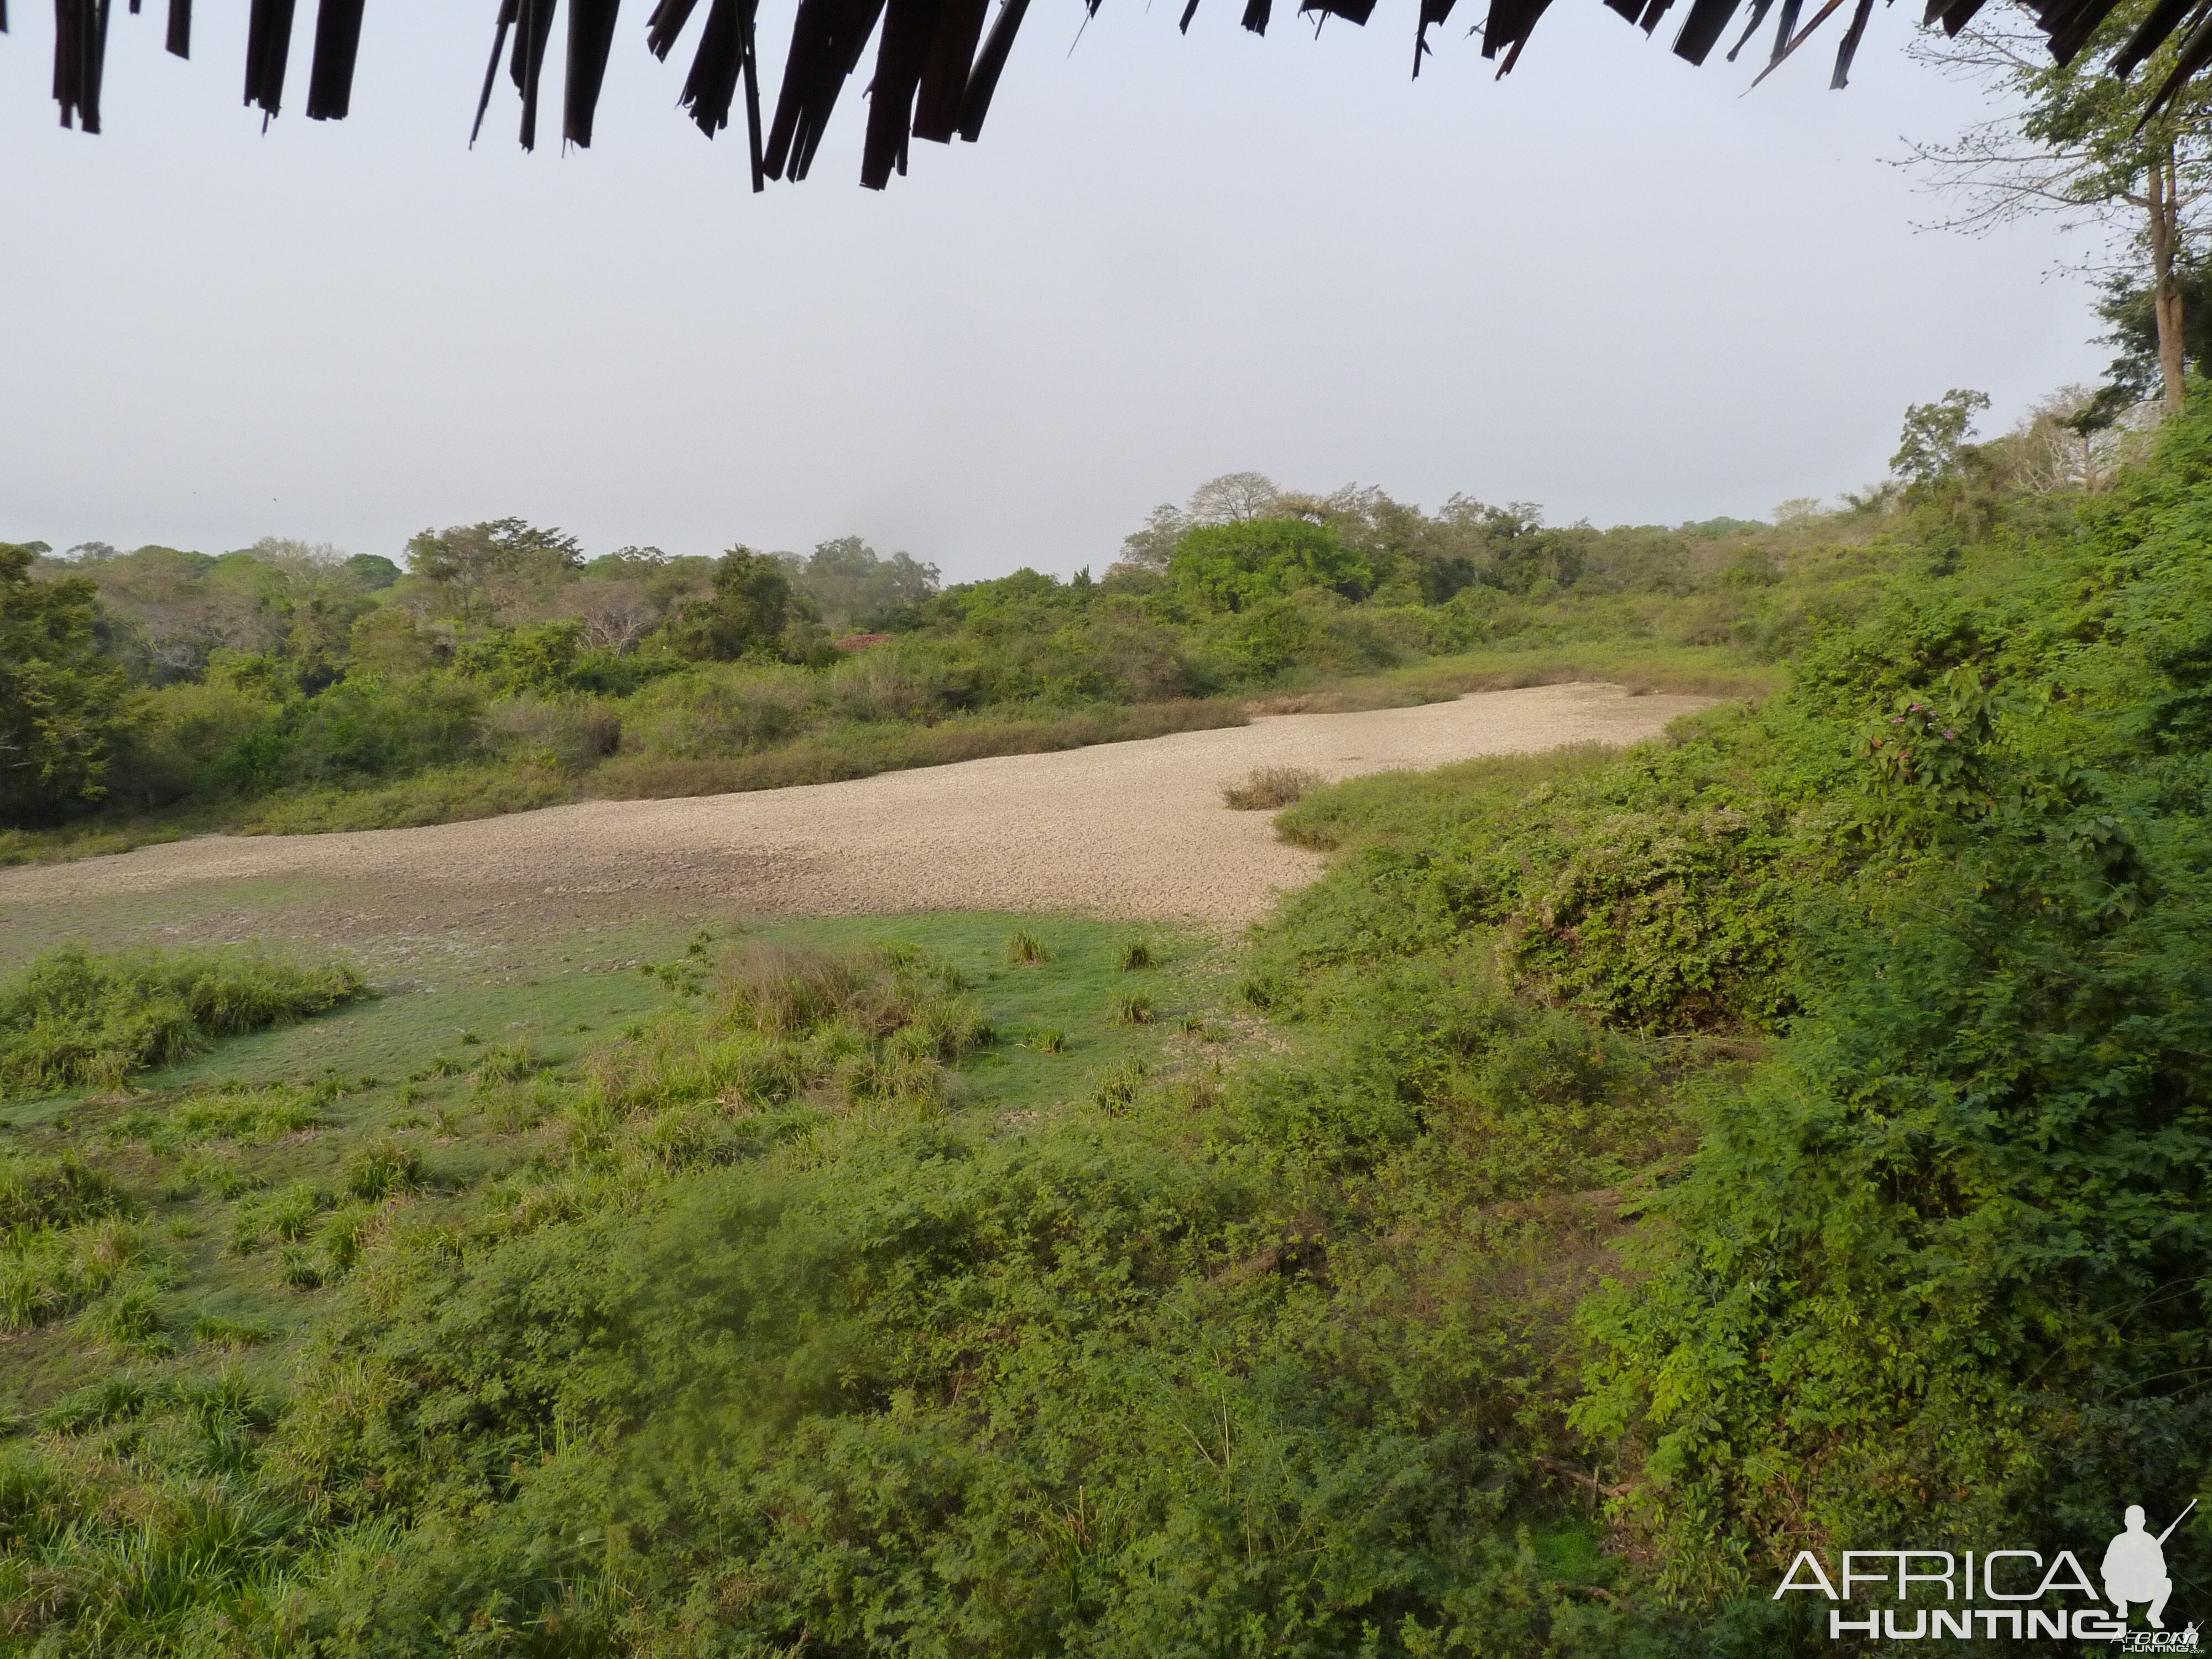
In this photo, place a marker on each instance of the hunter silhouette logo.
(2134, 1566)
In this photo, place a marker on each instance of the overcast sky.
(1609, 284)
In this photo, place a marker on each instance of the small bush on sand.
(1264, 788)
(75, 1019)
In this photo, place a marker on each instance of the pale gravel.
(1135, 830)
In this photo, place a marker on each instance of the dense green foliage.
(70, 1018)
(287, 688)
(1233, 566)
(754, 1334)
(1945, 1257)
(1939, 1266)
(59, 696)
(1627, 1172)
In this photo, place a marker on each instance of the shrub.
(1667, 919)
(517, 661)
(907, 681)
(359, 731)
(1267, 787)
(73, 1018)
(179, 735)
(711, 713)
(566, 733)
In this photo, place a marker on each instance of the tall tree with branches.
(2076, 139)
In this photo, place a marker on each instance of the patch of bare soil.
(1133, 828)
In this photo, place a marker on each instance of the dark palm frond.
(937, 67)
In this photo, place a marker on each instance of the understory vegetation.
(1619, 1172)
(70, 1019)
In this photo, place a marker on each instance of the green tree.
(476, 567)
(2078, 139)
(1228, 566)
(2130, 308)
(60, 696)
(1929, 448)
(857, 588)
(753, 604)
(373, 571)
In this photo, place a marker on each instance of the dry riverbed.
(1135, 830)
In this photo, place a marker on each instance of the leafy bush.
(718, 711)
(522, 661)
(567, 734)
(1673, 919)
(72, 1017)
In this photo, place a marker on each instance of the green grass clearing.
(253, 1171)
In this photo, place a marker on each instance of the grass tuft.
(378, 1172)
(214, 1331)
(1025, 949)
(1264, 788)
(1131, 1008)
(1117, 1090)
